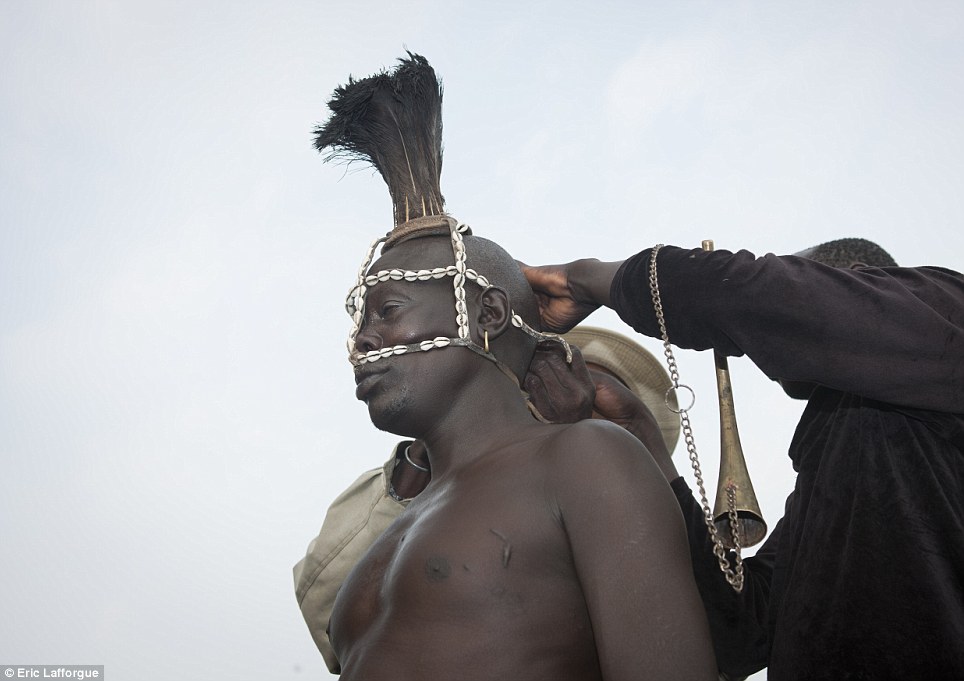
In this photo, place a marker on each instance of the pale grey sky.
(176, 408)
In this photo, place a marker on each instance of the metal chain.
(735, 527)
(733, 576)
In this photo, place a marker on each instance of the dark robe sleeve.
(891, 334)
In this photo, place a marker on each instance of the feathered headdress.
(393, 120)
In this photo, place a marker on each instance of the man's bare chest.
(487, 554)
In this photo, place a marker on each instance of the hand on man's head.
(561, 305)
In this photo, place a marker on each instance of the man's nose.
(367, 339)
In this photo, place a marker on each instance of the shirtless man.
(609, 375)
(537, 551)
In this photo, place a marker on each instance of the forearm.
(591, 280)
(895, 335)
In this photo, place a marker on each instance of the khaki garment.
(354, 521)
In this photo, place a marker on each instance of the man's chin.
(379, 418)
(388, 415)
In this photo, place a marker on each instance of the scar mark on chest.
(437, 569)
(506, 547)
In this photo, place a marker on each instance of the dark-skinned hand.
(561, 305)
(563, 393)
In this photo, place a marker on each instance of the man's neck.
(480, 420)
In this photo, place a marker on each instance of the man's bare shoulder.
(593, 437)
(594, 450)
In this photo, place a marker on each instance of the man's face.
(403, 392)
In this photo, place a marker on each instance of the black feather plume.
(392, 120)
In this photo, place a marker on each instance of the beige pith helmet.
(636, 367)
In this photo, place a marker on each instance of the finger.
(579, 368)
(548, 279)
(549, 363)
(532, 274)
(540, 398)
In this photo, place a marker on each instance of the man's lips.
(366, 375)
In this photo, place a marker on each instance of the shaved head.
(849, 252)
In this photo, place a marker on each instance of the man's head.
(849, 254)
(418, 307)
(393, 120)
(500, 291)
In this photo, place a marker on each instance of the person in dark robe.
(863, 577)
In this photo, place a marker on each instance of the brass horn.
(734, 491)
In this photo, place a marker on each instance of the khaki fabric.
(353, 522)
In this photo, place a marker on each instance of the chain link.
(734, 576)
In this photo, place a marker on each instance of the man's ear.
(495, 313)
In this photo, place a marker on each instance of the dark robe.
(863, 578)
